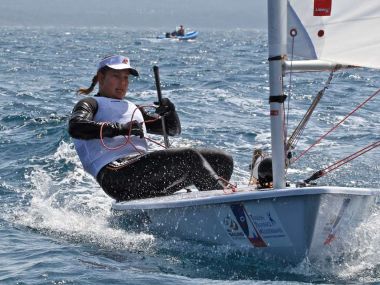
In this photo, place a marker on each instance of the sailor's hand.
(165, 107)
(132, 128)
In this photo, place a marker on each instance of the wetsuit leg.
(164, 172)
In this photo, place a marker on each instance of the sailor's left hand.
(131, 128)
(165, 107)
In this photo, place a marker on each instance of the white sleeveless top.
(93, 154)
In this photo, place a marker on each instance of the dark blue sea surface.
(55, 220)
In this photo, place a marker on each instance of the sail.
(341, 31)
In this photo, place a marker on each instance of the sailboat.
(284, 222)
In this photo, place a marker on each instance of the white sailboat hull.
(286, 224)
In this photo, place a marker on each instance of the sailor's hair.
(86, 91)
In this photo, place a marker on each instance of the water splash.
(359, 264)
(73, 207)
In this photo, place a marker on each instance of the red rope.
(337, 125)
(128, 137)
(350, 157)
(341, 162)
(228, 185)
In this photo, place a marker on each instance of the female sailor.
(110, 137)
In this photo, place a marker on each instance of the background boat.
(188, 36)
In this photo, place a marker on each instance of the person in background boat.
(181, 31)
(110, 137)
(176, 33)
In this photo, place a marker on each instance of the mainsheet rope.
(128, 137)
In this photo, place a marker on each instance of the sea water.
(54, 218)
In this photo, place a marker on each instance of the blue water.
(54, 218)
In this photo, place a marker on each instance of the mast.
(277, 27)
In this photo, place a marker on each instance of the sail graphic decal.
(247, 225)
(331, 236)
(322, 7)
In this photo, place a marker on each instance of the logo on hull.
(248, 226)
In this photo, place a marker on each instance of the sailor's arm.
(83, 126)
(172, 122)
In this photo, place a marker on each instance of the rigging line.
(290, 78)
(351, 157)
(156, 142)
(341, 162)
(337, 125)
(286, 125)
(298, 131)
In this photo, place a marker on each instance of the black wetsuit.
(156, 173)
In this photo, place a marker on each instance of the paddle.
(159, 95)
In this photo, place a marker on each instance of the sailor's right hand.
(131, 128)
(164, 107)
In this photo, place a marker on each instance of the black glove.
(134, 128)
(165, 107)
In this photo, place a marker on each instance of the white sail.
(341, 31)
